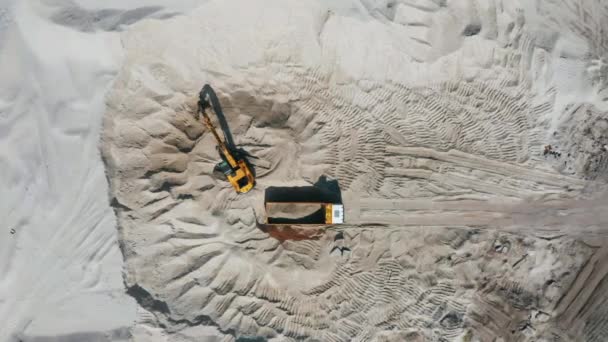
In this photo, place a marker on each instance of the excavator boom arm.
(223, 148)
(237, 171)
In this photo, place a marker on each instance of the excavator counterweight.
(233, 165)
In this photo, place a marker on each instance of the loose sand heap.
(292, 211)
(432, 115)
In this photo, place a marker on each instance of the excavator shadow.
(207, 91)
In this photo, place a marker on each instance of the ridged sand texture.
(433, 117)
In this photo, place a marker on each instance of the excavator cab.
(233, 164)
(224, 168)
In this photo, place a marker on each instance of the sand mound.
(432, 116)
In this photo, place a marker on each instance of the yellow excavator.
(233, 164)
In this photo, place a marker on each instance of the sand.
(60, 263)
(432, 116)
(292, 210)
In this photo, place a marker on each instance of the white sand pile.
(60, 265)
(432, 115)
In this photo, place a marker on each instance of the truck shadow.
(324, 190)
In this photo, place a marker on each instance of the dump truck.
(319, 204)
(304, 213)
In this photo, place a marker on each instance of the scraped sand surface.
(432, 115)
